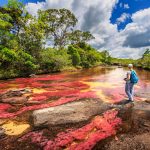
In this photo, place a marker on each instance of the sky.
(120, 26)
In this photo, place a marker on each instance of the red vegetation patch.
(4, 107)
(50, 78)
(61, 92)
(2, 91)
(116, 94)
(39, 98)
(83, 138)
(76, 84)
(56, 94)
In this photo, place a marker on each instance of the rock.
(14, 93)
(2, 133)
(144, 94)
(148, 101)
(142, 110)
(74, 112)
(15, 100)
(32, 75)
(15, 96)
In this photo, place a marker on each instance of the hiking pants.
(129, 89)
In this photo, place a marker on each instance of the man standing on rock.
(131, 80)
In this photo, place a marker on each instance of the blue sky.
(3, 2)
(134, 6)
(120, 26)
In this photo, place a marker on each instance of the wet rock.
(15, 100)
(147, 101)
(144, 94)
(32, 75)
(74, 112)
(13, 93)
(142, 110)
(15, 96)
(2, 133)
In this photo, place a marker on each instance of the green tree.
(59, 24)
(106, 58)
(32, 37)
(78, 36)
(53, 60)
(74, 56)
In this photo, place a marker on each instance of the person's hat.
(130, 65)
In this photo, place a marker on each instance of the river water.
(43, 91)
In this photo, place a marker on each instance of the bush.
(75, 57)
(84, 55)
(54, 60)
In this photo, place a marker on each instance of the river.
(43, 91)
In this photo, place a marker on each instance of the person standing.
(131, 79)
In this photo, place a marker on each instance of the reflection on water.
(105, 84)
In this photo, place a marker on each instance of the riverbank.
(40, 72)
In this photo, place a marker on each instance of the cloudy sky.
(120, 26)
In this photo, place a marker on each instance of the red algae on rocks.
(56, 92)
(4, 107)
(83, 138)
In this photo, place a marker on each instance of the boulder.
(15, 96)
(142, 110)
(74, 112)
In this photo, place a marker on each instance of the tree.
(147, 51)
(78, 36)
(17, 12)
(59, 24)
(74, 56)
(31, 38)
(106, 58)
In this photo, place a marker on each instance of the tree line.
(143, 62)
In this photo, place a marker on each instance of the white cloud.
(95, 16)
(126, 6)
(138, 32)
(34, 7)
(123, 18)
(121, 4)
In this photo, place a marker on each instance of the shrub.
(54, 60)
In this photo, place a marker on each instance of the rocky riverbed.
(74, 111)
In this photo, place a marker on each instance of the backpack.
(134, 78)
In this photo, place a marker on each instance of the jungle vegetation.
(48, 42)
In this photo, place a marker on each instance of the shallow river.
(43, 91)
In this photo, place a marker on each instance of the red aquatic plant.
(99, 128)
(50, 78)
(4, 107)
(115, 94)
(74, 84)
(3, 85)
(56, 93)
(37, 137)
(39, 98)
